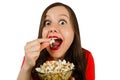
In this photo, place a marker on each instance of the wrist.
(27, 67)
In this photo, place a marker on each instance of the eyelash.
(61, 22)
(48, 22)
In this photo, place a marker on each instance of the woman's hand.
(72, 78)
(32, 51)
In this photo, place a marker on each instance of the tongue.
(56, 43)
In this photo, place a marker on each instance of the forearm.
(25, 73)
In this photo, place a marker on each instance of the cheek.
(69, 33)
(44, 33)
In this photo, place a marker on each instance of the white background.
(99, 22)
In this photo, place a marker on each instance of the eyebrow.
(59, 15)
(64, 15)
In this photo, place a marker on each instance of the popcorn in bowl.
(55, 70)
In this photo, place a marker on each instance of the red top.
(90, 69)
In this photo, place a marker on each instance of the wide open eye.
(47, 22)
(62, 22)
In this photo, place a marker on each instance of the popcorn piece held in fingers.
(52, 41)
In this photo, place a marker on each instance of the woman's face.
(57, 25)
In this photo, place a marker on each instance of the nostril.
(52, 31)
(55, 31)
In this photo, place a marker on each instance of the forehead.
(58, 10)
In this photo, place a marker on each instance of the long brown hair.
(74, 54)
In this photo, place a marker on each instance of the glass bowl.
(55, 70)
(55, 76)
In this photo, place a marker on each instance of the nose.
(53, 29)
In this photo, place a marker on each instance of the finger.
(72, 78)
(44, 45)
(32, 56)
(31, 43)
(33, 48)
(43, 40)
(35, 55)
(35, 42)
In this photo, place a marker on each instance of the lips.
(57, 42)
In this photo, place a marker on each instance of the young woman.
(58, 21)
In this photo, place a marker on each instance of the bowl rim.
(55, 73)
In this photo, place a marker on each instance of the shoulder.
(87, 53)
(90, 66)
(89, 57)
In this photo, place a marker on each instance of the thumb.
(44, 45)
(72, 78)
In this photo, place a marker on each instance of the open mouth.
(55, 43)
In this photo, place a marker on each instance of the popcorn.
(55, 70)
(52, 41)
(55, 67)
